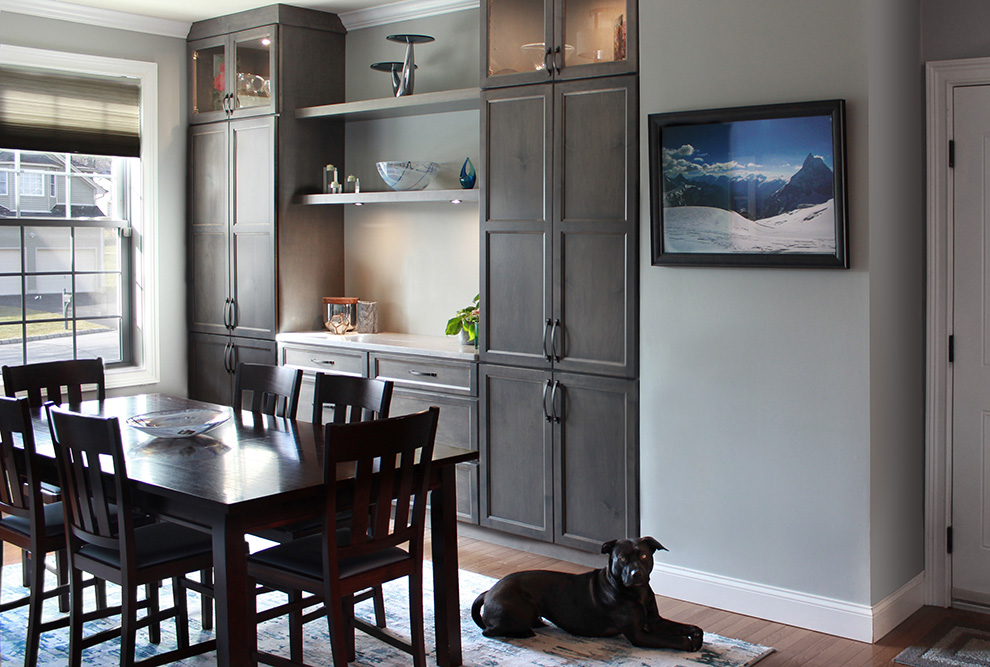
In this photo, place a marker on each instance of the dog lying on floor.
(614, 600)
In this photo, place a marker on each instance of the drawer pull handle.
(327, 362)
(422, 373)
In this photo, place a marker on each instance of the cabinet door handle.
(553, 402)
(226, 356)
(548, 63)
(546, 393)
(546, 341)
(233, 313)
(422, 373)
(325, 362)
(553, 341)
(556, 67)
(226, 313)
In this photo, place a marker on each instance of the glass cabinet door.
(518, 35)
(252, 80)
(208, 79)
(598, 37)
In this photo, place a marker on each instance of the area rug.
(950, 644)
(550, 648)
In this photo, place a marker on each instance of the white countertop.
(430, 346)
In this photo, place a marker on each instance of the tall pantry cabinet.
(559, 238)
(257, 263)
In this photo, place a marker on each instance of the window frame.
(145, 367)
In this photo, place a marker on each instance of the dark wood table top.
(243, 461)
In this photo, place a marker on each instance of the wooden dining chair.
(274, 389)
(103, 540)
(46, 381)
(53, 381)
(391, 459)
(350, 398)
(29, 524)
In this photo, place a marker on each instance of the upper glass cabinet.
(531, 42)
(233, 75)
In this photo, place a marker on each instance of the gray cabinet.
(257, 264)
(451, 385)
(314, 359)
(559, 456)
(559, 225)
(527, 41)
(213, 359)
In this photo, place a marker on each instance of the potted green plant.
(465, 323)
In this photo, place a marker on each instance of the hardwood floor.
(795, 646)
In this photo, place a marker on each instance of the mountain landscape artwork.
(754, 186)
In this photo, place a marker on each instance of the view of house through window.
(65, 256)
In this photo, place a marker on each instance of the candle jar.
(340, 313)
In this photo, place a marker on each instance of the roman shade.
(46, 110)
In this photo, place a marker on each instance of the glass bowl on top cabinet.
(525, 41)
(233, 75)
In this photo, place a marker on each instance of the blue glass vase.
(467, 175)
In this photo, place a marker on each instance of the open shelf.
(395, 107)
(391, 197)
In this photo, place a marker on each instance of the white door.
(971, 337)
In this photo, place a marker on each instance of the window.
(77, 227)
(64, 264)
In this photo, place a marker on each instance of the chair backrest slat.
(392, 460)
(98, 502)
(353, 399)
(20, 493)
(274, 389)
(46, 381)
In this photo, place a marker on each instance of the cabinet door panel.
(209, 379)
(253, 226)
(250, 351)
(457, 427)
(514, 35)
(595, 226)
(595, 454)
(208, 251)
(516, 452)
(515, 229)
(602, 35)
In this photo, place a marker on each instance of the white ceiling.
(195, 10)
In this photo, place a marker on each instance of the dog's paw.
(696, 637)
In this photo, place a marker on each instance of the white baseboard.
(835, 617)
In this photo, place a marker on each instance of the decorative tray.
(178, 423)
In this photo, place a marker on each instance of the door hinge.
(948, 540)
(952, 153)
(952, 349)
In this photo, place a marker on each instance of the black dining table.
(250, 473)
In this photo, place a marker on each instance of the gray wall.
(955, 29)
(170, 54)
(419, 261)
(771, 447)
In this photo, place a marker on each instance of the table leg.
(446, 592)
(232, 600)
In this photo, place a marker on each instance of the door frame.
(942, 77)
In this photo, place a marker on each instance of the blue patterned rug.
(550, 648)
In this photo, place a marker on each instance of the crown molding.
(63, 11)
(401, 11)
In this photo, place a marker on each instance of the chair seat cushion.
(305, 557)
(156, 544)
(54, 521)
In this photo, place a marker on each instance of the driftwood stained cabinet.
(558, 342)
(257, 264)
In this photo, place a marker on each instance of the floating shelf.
(391, 197)
(464, 99)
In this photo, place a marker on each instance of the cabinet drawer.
(426, 373)
(326, 360)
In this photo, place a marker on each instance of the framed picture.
(750, 186)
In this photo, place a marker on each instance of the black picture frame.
(750, 186)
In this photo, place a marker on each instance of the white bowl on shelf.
(407, 175)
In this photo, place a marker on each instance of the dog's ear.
(652, 543)
(608, 546)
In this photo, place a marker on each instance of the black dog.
(601, 603)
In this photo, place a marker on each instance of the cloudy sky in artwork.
(773, 148)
